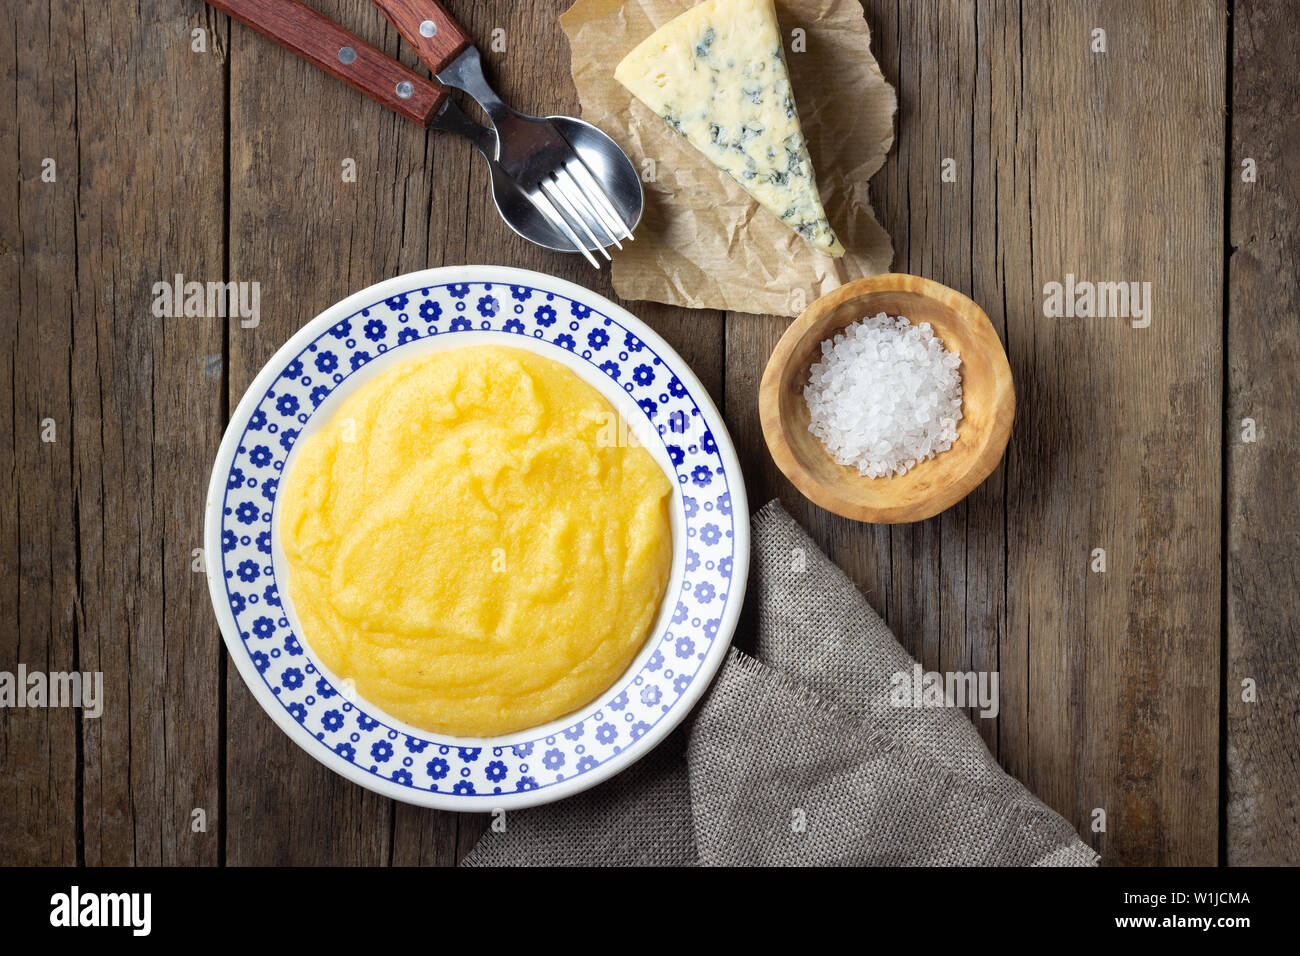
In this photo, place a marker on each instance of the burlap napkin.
(797, 757)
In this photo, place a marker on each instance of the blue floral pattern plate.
(665, 408)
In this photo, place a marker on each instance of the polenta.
(469, 547)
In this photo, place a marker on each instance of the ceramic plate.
(666, 409)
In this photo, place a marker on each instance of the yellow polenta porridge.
(470, 543)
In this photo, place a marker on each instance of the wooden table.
(1121, 691)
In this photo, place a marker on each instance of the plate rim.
(226, 450)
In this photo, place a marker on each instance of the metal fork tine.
(552, 215)
(596, 193)
(560, 199)
(564, 179)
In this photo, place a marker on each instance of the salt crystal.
(886, 395)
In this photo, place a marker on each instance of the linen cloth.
(796, 756)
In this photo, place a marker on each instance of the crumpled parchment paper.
(703, 242)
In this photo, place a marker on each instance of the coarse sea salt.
(885, 395)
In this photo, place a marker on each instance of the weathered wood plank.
(423, 837)
(1117, 440)
(1000, 236)
(931, 561)
(108, 514)
(1263, 509)
(187, 377)
(39, 770)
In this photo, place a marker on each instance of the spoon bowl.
(931, 486)
(608, 164)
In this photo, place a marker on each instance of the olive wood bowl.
(931, 486)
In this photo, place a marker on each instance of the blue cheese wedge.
(717, 75)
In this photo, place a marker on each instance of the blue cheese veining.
(717, 75)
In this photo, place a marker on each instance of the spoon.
(593, 188)
(325, 44)
(607, 163)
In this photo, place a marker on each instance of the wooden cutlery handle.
(429, 28)
(322, 42)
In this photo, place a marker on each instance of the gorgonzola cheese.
(717, 75)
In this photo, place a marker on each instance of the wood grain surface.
(932, 485)
(1121, 691)
(1263, 506)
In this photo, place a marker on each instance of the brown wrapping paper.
(703, 242)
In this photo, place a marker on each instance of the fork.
(529, 148)
(323, 43)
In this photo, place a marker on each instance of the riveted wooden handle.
(323, 43)
(429, 28)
